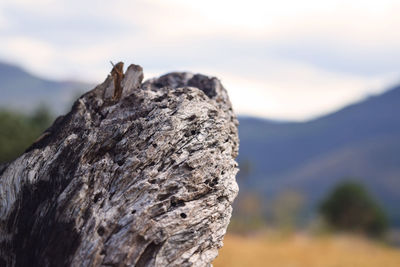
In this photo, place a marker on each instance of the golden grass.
(301, 250)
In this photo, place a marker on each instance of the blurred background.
(316, 86)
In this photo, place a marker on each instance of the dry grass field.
(304, 251)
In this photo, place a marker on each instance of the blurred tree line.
(18, 131)
(350, 207)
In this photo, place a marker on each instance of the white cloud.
(290, 91)
(4, 23)
(284, 59)
(30, 52)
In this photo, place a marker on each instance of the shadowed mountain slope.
(361, 141)
(23, 91)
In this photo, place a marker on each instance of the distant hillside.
(360, 141)
(25, 92)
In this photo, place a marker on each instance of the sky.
(287, 60)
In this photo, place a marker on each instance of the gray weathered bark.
(144, 180)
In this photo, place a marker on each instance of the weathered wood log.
(147, 179)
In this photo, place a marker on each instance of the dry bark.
(146, 179)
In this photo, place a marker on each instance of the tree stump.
(146, 179)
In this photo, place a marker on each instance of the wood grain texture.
(147, 180)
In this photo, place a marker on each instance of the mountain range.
(24, 92)
(359, 142)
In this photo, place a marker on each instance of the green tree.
(18, 131)
(41, 118)
(350, 207)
